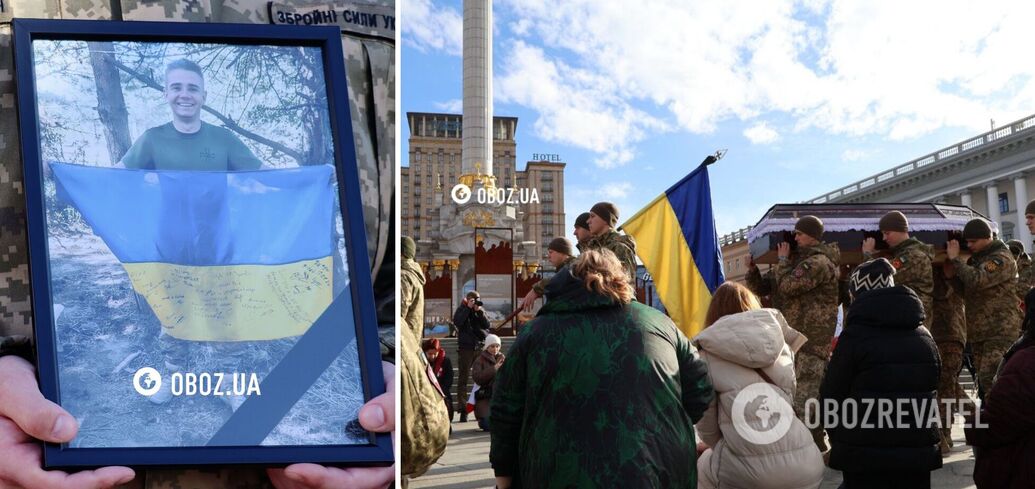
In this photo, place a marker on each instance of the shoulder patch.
(993, 265)
(898, 262)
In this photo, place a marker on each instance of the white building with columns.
(992, 173)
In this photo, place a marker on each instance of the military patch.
(992, 265)
(897, 263)
(359, 18)
(799, 272)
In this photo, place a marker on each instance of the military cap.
(1016, 247)
(977, 228)
(811, 226)
(894, 221)
(409, 247)
(561, 245)
(606, 211)
(582, 221)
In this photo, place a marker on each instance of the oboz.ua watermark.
(462, 194)
(148, 382)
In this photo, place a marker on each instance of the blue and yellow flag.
(219, 256)
(677, 242)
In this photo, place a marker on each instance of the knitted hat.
(874, 274)
(1016, 247)
(409, 247)
(491, 339)
(811, 226)
(894, 221)
(582, 221)
(561, 245)
(1030, 209)
(606, 211)
(977, 229)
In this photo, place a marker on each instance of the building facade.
(992, 173)
(435, 165)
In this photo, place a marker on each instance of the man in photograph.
(187, 142)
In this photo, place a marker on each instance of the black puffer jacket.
(884, 355)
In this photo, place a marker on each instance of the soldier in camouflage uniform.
(987, 280)
(603, 218)
(370, 64)
(559, 251)
(1025, 273)
(582, 234)
(910, 257)
(804, 287)
(411, 289)
(949, 329)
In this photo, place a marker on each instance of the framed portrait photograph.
(199, 267)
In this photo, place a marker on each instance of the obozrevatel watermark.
(889, 413)
(762, 413)
(147, 382)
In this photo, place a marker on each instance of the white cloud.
(854, 154)
(576, 106)
(430, 28)
(454, 106)
(618, 190)
(761, 134)
(604, 76)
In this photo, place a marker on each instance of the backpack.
(425, 418)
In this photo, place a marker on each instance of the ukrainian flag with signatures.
(219, 256)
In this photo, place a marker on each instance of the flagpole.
(712, 158)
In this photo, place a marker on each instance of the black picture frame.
(378, 450)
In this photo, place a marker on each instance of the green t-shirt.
(210, 149)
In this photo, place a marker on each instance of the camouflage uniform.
(949, 329)
(912, 261)
(805, 289)
(411, 296)
(540, 286)
(370, 65)
(1025, 276)
(988, 281)
(622, 245)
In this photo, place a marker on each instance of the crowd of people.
(602, 391)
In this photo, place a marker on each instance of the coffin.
(848, 224)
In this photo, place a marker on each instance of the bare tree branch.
(228, 122)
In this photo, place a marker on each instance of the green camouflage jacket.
(411, 296)
(805, 289)
(622, 245)
(949, 323)
(1025, 275)
(370, 64)
(598, 394)
(988, 280)
(912, 261)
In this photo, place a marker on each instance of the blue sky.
(807, 96)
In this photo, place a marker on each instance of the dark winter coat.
(483, 371)
(884, 353)
(598, 394)
(445, 381)
(471, 327)
(1005, 449)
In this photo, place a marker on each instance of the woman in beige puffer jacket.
(737, 347)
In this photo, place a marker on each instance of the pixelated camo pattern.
(370, 65)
